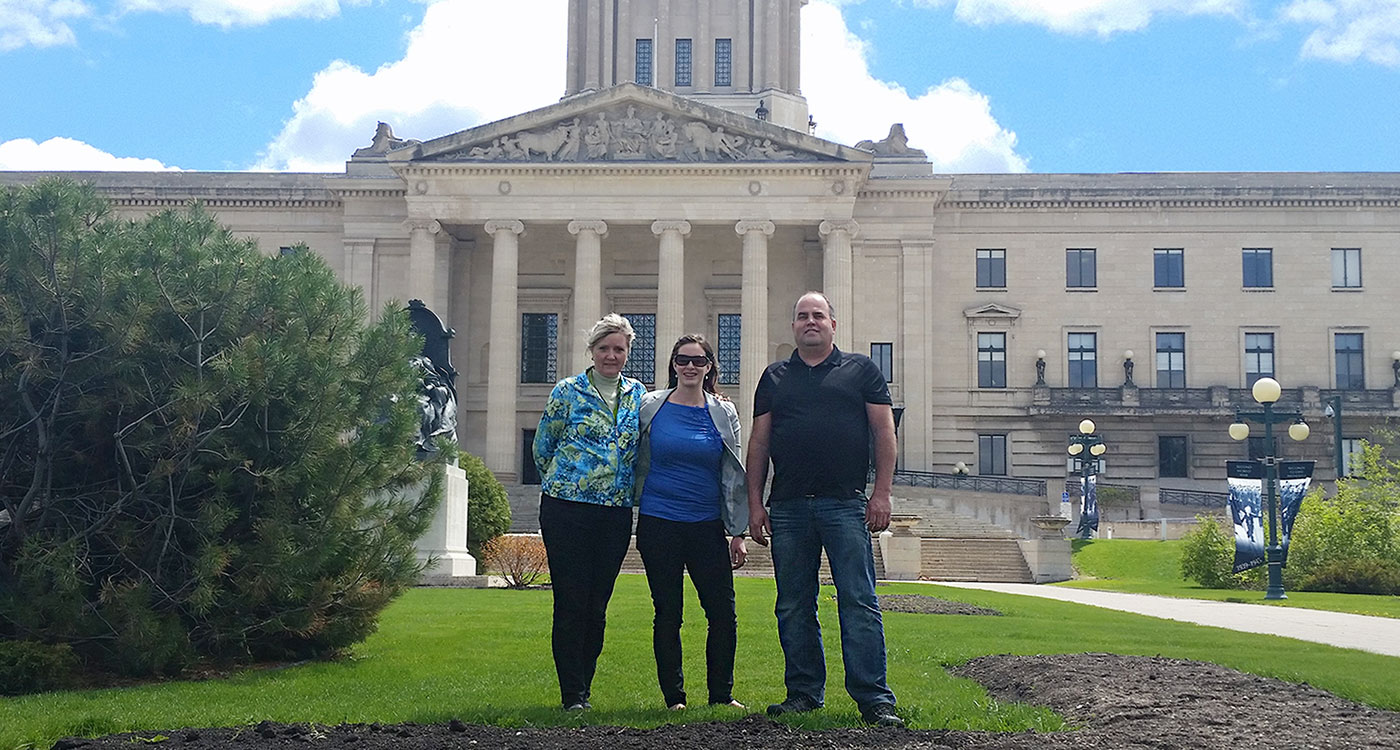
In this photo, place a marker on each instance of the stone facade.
(675, 205)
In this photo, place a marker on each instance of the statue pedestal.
(901, 550)
(1048, 555)
(446, 540)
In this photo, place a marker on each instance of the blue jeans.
(801, 528)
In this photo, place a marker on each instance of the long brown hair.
(711, 377)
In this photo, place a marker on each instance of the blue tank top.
(682, 482)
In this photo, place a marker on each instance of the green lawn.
(483, 656)
(1153, 567)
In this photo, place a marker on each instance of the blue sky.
(982, 85)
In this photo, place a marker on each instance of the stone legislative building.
(677, 182)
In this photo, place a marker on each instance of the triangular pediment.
(628, 124)
(992, 310)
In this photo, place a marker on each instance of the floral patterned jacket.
(583, 454)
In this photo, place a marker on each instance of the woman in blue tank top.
(693, 515)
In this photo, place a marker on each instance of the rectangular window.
(991, 360)
(727, 351)
(1172, 456)
(1351, 456)
(991, 269)
(1346, 268)
(1081, 267)
(724, 62)
(883, 356)
(1083, 360)
(682, 62)
(529, 473)
(1351, 361)
(1168, 268)
(539, 347)
(1258, 267)
(1171, 360)
(991, 455)
(1258, 357)
(643, 75)
(641, 361)
(1258, 450)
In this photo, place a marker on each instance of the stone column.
(502, 375)
(670, 291)
(836, 276)
(422, 260)
(588, 285)
(359, 269)
(753, 313)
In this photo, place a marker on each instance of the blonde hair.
(610, 324)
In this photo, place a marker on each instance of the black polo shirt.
(820, 439)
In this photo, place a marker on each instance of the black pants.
(585, 544)
(669, 548)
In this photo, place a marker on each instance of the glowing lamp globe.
(1266, 390)
(1087, 427)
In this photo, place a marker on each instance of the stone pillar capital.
(596, 226)
(829, 226)
(514, 226)
(424, 224)
(754, 225)
(660, 227)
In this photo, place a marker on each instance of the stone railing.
(1215, 400)
(994, 485)
(1199, 498)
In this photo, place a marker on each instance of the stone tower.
(733, 54)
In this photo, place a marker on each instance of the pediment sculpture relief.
(383, 142)
(630, 133)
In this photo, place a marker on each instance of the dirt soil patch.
(920, 604)
(1113, 701)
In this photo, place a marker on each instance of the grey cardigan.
(734, 497)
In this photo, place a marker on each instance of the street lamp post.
(1266, 391)
(1334, 412)
(1077, 444)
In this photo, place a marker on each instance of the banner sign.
(1246, 510)
(1293, 480)
(1089, 510)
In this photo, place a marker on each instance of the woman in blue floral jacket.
(585, 449)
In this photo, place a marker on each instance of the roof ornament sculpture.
(383, 142)
(894, 144)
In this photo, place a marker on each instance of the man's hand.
(877, 512)
(738, 552)
(759, 526)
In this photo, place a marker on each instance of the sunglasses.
(681, 360)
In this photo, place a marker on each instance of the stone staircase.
(954, 547)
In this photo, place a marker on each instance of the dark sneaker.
(881, 715)
(798, 704)
(582, 705)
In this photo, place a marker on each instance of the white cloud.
(468, 63)
(68, 155)
(444, 84)
(1349, 30)
(38, 23)
(951, 121)
(1101, 17)
(227, 13)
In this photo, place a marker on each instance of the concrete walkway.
(1380, 635)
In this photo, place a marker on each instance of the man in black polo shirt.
(814, 416)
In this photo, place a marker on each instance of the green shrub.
(207, 450)
(31, 667)
(1365, 576)
(1109, 496)
(1208, 555)
(488, 507)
